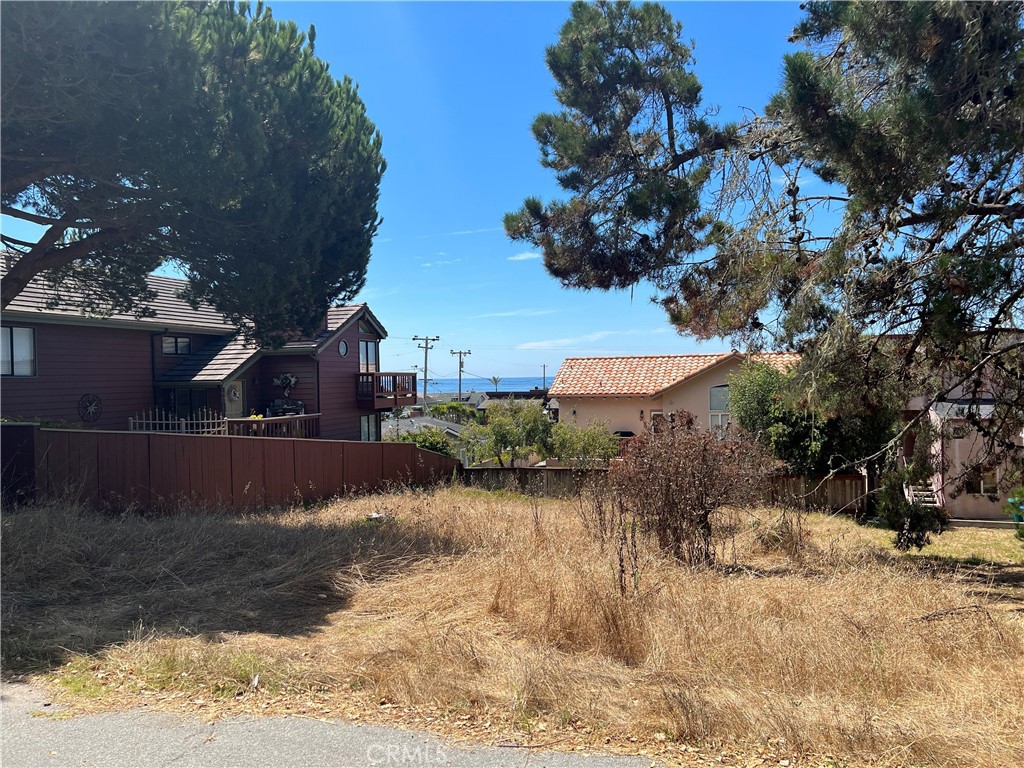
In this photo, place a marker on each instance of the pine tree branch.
(44, 256)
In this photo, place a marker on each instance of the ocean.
(473, 384)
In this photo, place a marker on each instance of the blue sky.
(453, 89)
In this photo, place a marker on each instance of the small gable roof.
(216, 362)
(338, 319)
(642, 375)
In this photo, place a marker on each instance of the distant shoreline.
(439, 386)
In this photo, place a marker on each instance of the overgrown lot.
(501, 617)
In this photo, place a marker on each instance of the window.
(369, 428)
(718, 404)
(177, 345)
(19, 352)
(343, 348)
(367, 356)
(983, 482)
(183, 402)
(658, 421)
(720, 420)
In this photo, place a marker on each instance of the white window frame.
(719, 420)
(12, 335)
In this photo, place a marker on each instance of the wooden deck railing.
(202, 422)
(306, 425)
(386, 390)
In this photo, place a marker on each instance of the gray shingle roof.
(171, 310)
(216, 362)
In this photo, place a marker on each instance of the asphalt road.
(31, 738)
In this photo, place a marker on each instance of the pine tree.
(208, 135)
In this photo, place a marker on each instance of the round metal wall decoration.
(234, 393)
(90, 407)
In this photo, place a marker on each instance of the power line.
(461, 354)
(426, 346)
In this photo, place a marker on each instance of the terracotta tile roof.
(643, 375)
(781, 360)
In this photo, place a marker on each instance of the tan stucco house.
(629, 391)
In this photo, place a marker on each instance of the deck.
(379, 391)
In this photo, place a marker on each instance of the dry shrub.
(509, 611)
(676, 476)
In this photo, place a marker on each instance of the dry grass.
(499, 615)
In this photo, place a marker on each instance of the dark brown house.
(61, 365)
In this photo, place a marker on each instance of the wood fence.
(559, 482)
(304, 425)
(839, 493)
(159, 470)
(207, 422)
(842, 493)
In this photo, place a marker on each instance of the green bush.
(458, 413)
(582, 447)
(514, 431)
(913, 523)
(430, 439)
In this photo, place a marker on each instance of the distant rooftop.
(643, 375)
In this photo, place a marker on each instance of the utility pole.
(426, 346)
(544, 381)
(461, 355)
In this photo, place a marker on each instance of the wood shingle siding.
(339, 412)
